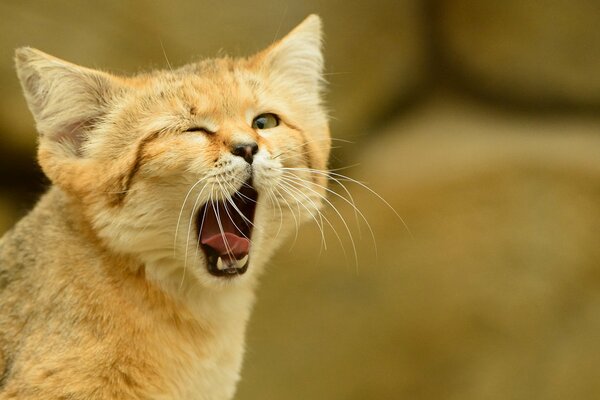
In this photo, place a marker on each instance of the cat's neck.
(193, 335)
(216, 305)
(223, 305)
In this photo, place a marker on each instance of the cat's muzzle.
(224, 232)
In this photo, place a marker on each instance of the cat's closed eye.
(265, 121)
(198, 129)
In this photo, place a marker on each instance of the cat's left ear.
(297, 59)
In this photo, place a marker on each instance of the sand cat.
(134, 275)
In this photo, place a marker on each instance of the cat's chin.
(225, 231)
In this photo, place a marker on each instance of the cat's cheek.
(266, 174)
(179, 158)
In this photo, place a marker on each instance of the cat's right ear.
(66, 100)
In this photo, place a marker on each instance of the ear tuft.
(65, 99)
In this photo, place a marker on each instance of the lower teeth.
(232, 263)
(241, 263)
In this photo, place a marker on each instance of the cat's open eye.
(265, 121)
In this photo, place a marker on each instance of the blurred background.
(477, 120)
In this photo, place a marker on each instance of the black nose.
(245, 150)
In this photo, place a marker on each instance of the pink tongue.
(228, 243)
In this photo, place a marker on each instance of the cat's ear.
(66, 100)
(298, 57)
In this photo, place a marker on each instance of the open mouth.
(225, 229)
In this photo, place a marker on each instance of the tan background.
(477, 120)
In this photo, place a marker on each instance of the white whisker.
(348, 230)
(288, 189)
(296, 223)
(182, 208)
(340, 177)
(321, 216)
(350, 202)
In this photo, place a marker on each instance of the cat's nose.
(245, 150)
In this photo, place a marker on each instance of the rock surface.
(542, 53)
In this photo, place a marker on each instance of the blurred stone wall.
(495, 294)
(535, 53)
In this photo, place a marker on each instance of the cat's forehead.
(224, 74)
(210, 86)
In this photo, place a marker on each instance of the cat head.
(199, 171)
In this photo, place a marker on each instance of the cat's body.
(127, 280)
(91, 325)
